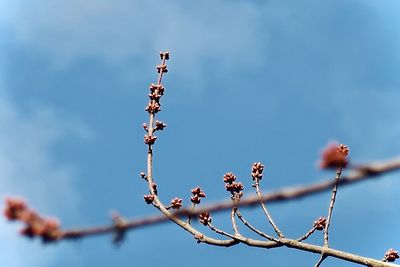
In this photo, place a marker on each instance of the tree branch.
(359, 173)
(50, 232)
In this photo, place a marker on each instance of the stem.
(233, 212)
(218, 231)
(328, 220)
(264, 208)
(307, 235)
(190, 216)
(251, 227)
(332, 203)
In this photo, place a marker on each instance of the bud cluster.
(153, 107)
(148, 198)
(176, 203)
(257, 171)
(229, 178)
(160, 126)
(334, 156)
(35, 225)
(320, 223)
(150, 139)
(232, 186)
(198, 194)
(205, 218)
(391, 255)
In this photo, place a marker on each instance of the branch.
(360, 173)
(49, 231)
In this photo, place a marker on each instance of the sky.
(270, 81)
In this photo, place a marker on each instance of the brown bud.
(154, 186)
(229, 178)
(162, 68)
(150, 140)
(234, 187)
(343, 149)
(14, 208)
(160, 125)
(28, 231)
(257, 171)
(153, 107)
(198, 192)
(161, 89)
(155, 96)
(320, 223)
(148, 198)
(205, 218)
(334, 156)
(391, 255)
(195, 199)
(29, 216)
(51, 231)
(153, 87)
(198, 237)
(176, 203)
(164, 55)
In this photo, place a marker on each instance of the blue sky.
(269, 81)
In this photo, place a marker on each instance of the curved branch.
(358, 174)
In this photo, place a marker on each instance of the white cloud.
(122, 30)
(27, 169)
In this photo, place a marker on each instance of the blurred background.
(269, 81)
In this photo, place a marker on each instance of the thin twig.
(251, 227)
(321, 259)
(235, 200)
(330, 210)
(190, 216)
(307, 235)
(332, 203)
(264, 208)
(221, 232)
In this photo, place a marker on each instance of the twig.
(264, 208)
(332, 203)
(190, 216)
(235, 200)
(251, 227)
(221, 232)
(321, 259)
(307, 235)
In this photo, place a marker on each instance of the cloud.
(117, 30)
(206, 37)
(28, 169)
